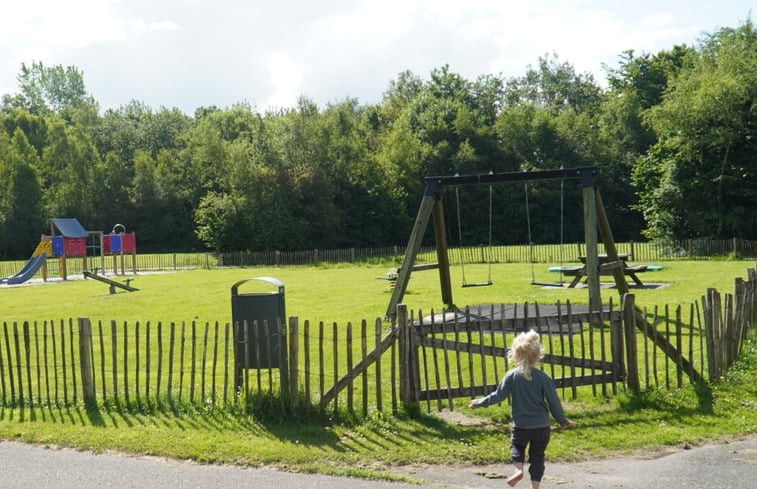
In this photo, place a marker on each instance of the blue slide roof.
(70, 227)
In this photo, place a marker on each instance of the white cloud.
(192, 53)
(64, 24)
(141, 26)
(659, 20)
(285, 80)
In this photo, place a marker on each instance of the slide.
(27, 272)
(31, 266)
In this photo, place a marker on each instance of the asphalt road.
(713, 466)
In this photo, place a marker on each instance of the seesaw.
(113, 284)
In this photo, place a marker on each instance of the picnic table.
(606, 267)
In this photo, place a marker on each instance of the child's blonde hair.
(526, 351)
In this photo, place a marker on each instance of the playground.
(506, 292)
(204, 293)
(193, 305)
(73, 243)
(607, 427)
(95, 250)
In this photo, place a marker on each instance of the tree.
(555, 86)
(73, 174)
(697, 181)
(56, 89)
(220, 222)
(33, 126)
(21, 219)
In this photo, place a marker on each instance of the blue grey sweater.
(532, 400)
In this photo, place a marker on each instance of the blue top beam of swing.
(585, 173)
(70, 227)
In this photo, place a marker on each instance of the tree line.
(672, 133)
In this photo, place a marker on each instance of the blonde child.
(533, 397)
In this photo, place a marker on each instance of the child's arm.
(503, 390)
(555, 406)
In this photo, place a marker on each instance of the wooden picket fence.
(370, 366)
(466, 356)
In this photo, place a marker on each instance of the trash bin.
(260, 350)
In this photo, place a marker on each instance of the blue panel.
(58, 247)
(115, 243)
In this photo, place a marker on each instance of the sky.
(188, 54)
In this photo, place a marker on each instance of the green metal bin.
(261, 350)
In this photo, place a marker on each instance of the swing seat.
(478, 284)
(546, 284)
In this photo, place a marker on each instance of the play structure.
(596, 226)
(68, 240)
(118, 244)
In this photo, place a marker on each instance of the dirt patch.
(462, 419)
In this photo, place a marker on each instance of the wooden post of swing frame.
(442, 252)
(590, 236)
(430, 198)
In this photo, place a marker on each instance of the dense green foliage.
(673, 134)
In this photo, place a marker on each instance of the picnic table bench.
(606, 267)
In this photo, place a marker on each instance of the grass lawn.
(620, 425)
(337, 293)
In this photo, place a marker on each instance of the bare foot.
(515, 478)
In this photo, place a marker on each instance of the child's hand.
(568, 425)
(473, 405)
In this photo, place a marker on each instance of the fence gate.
(463, 354)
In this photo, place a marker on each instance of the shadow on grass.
(680, 402)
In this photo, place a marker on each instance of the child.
(533, 398)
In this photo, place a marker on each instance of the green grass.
(620, 425)
(335, 293)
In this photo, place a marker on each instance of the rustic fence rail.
(466, 356)
(539, 253)
(371, 365)
(692, 249)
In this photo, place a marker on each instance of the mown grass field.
(622, 424)
(338, 293)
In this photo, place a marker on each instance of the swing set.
(487, 257)
(432, 210)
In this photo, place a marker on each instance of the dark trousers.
(536, 440)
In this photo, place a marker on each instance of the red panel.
(75, 246)
(129, 243)
(106, 244)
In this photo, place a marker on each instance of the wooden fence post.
(729, 329)
(402, 339)
(629, 323)
(293, 361)
(281, 331)
(616, 347)
(712, 333)
(751, 299)
(85, 359)
(741, 323)
(408, 361)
